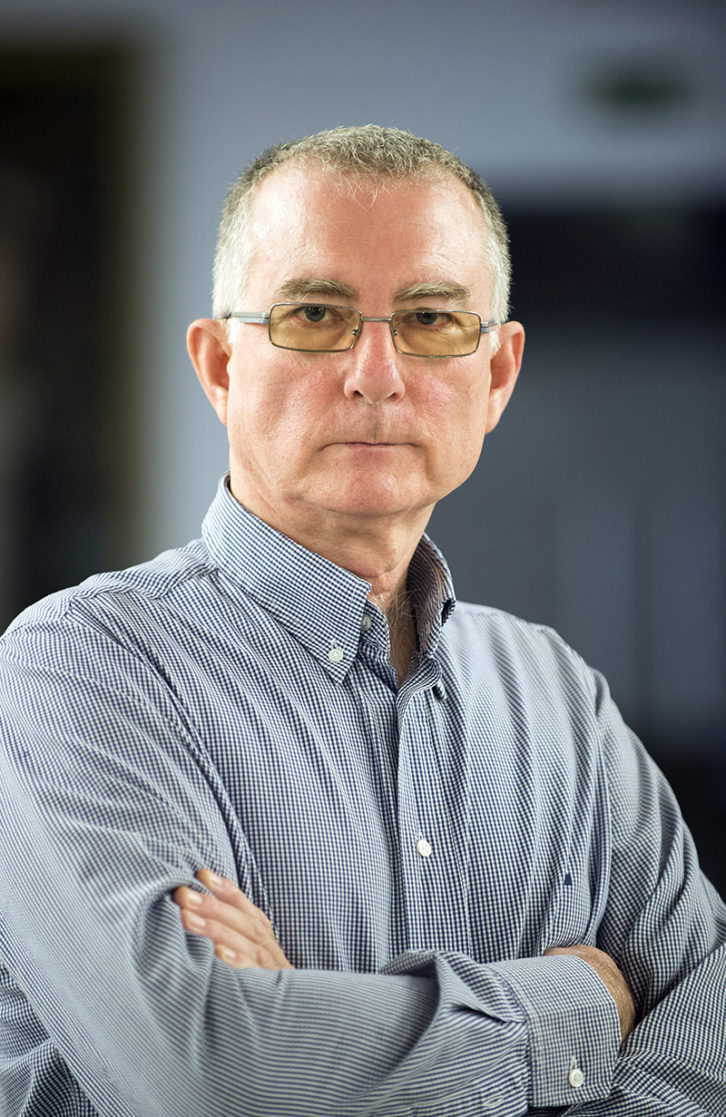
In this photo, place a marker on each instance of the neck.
(389, 593)
(376, 549)
(402, 633)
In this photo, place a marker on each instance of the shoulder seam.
(72, 603)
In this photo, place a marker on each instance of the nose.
(374, 373)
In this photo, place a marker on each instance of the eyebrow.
(301, 288)
(455, 292)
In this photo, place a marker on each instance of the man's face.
(321, 439)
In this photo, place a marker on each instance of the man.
(454, 878)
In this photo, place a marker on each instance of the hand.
(612, 978)
(241, 933)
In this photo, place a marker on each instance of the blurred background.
(598, 506)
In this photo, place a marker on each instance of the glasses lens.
(315, 327)
(436, 333)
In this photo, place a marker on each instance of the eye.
(317, 314)
(428, 318)
(313, 312)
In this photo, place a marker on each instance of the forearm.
(674, 1062)
(564, 1010)
(149, 1021)
(157, 1025)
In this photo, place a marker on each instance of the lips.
(367, 440)
(353, 445)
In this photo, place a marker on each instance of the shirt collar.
(320, 603)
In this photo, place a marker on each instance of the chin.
(375, 501)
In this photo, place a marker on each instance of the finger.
(229, 893)
(250, 936)
(232, 947)
(243, 960)
(181, 896)
(221, 934)
(231, 958)
(251, 926)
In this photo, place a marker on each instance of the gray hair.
(369, 149)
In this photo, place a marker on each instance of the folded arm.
(105, 812)
(108, 808)
(666, 926)
(243, 937)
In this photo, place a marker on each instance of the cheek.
(458, 407)
(457, 418)
(276, 407)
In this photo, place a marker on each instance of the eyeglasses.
(322, 328)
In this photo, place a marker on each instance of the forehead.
(370, 234)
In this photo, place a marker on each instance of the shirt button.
(335, 655)
(423, 848)
(365, 623)
(576, 1077)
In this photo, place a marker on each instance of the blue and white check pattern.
(231, 705)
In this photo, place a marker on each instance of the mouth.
(371, 441)
(371, 446)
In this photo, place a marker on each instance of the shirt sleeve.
(105, 810)
(665, 926)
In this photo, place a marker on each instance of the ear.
(209, 350)
(504, 370)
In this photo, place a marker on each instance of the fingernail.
(193, 897)
(195, 921)
(226, 954)
(217, 881)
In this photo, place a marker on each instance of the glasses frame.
(255, 318)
